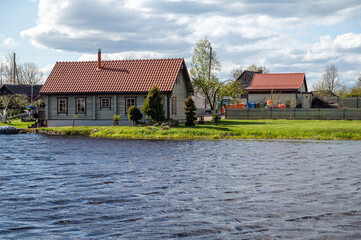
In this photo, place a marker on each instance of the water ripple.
(80, 188)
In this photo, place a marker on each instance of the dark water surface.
(78, 188)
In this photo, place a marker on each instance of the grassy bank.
(242, 129)
(17, 123)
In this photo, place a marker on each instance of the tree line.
(13, 72)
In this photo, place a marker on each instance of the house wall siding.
(180, 92)
(53, 108)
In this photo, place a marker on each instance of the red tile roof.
(277, 81)
(121, 76)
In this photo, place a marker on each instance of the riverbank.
(17, 123)
(227, 129)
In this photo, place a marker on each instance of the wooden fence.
(352, 102)
(297, 113)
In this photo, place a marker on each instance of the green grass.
(17, 123)
(241, 129)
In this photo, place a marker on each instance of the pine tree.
(153, 106)
(190, 111)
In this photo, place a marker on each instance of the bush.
(190, 111)
(116, 119)
(153, 106)
(216, 118)
(134, 115)
(173, 123)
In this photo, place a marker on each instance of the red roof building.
(286, 88)
(97, 90)
(285, 82)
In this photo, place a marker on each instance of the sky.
(285, 36)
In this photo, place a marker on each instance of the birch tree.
(204, 78)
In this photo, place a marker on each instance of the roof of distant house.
(22, 89)
(120, 76)
(250, 73)
(277, 81)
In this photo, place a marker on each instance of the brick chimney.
(99, 60)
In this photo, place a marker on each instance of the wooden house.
(95, 91)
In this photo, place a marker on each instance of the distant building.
(287, 87)
(10, 89)
(245, 80)
(98, 90)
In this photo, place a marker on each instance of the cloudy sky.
(285, 36)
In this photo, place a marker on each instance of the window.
(80, 105)
(128, 103)
(174, 106)
(105, 103)
(62, 106)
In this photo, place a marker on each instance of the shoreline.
(228, 129)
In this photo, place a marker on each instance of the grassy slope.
(17, 123)
(255, 129)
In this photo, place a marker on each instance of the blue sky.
(285, 36)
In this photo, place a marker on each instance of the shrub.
(190, 111)
(216, 118)
(153, 106)
(116, 119)
(134, 115)
(173, 123)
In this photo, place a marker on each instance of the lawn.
(241, 129)
(17, 123)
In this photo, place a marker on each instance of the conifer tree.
(190, 111)
(153, 106)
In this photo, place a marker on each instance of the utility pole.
(210, 63)
(14, 69)
(1, 74)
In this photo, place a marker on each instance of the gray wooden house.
(97, 90)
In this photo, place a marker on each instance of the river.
(82, 188)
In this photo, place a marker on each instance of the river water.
(81, 188)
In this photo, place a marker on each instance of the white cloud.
(348, 41)
(9, 43)
(278, 34)
(123, 56)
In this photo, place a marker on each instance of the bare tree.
(358, 84)
(27, 73)
(236, 72)
(329, 83)
(30, 74)
(8, 69)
